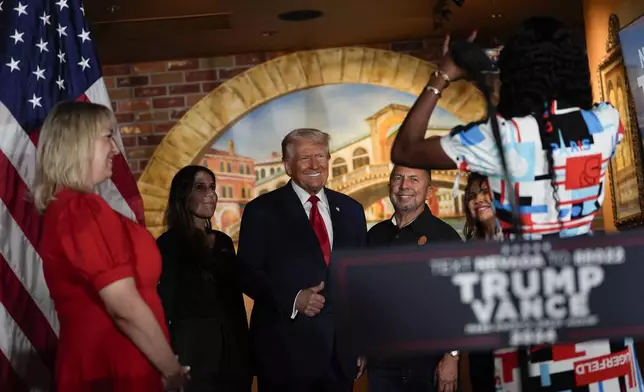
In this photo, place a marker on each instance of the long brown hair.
(473, 228)
(178, 215)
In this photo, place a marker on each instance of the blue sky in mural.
(340, 110)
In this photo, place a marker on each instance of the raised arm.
(410, 147)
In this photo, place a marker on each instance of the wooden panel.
(151, 39)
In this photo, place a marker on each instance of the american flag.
(46, 55)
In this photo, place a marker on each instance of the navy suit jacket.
(279, 255)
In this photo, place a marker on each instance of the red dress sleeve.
(95, 240)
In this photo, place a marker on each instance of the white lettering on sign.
(599, 256)
(531, 295)
(528, 337)
(529, 290)
(602, 364)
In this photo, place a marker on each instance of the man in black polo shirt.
(412, 223)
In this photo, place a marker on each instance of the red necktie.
(320, 228)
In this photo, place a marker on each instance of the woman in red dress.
(101, 268)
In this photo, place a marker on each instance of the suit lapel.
(336, 218)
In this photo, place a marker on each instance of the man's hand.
(447, 374)
(362, 364)
(309, 301)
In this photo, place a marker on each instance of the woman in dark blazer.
(200, 290)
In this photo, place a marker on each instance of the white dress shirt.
(325, 212)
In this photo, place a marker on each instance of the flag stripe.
(127, 191)
(21, 354)
(10, 380)
(24, 291)
(21, 307)
(122, 179)
(18, 248)
(17, 147)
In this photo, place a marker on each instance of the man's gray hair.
(295, 136)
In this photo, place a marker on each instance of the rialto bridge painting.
(362, 121)
(358, 95)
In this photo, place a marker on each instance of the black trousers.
(294, 385)
(214, 366)
(482, 371)
(333, 380)
(405, 375)
(228, 383)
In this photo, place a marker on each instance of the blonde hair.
(65, 148)
(312, 134)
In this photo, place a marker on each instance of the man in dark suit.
(285, 242)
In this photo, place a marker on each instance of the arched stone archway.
(210, 117)
(380, 123)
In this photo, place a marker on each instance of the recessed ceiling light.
(300, 15)
(496, 16)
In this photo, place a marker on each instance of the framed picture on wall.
(626, 179)
(631, 40)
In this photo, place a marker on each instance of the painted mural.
(362, 121)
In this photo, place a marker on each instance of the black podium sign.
(489, 295)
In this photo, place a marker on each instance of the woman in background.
(480, 219)
(480, 225)
(199, 288)
(101, 268)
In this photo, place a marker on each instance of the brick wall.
(148, 98)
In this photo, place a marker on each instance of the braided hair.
(543, 61)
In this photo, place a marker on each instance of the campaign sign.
(481, 295)
(631, 40)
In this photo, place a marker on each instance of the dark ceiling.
(147, 30)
